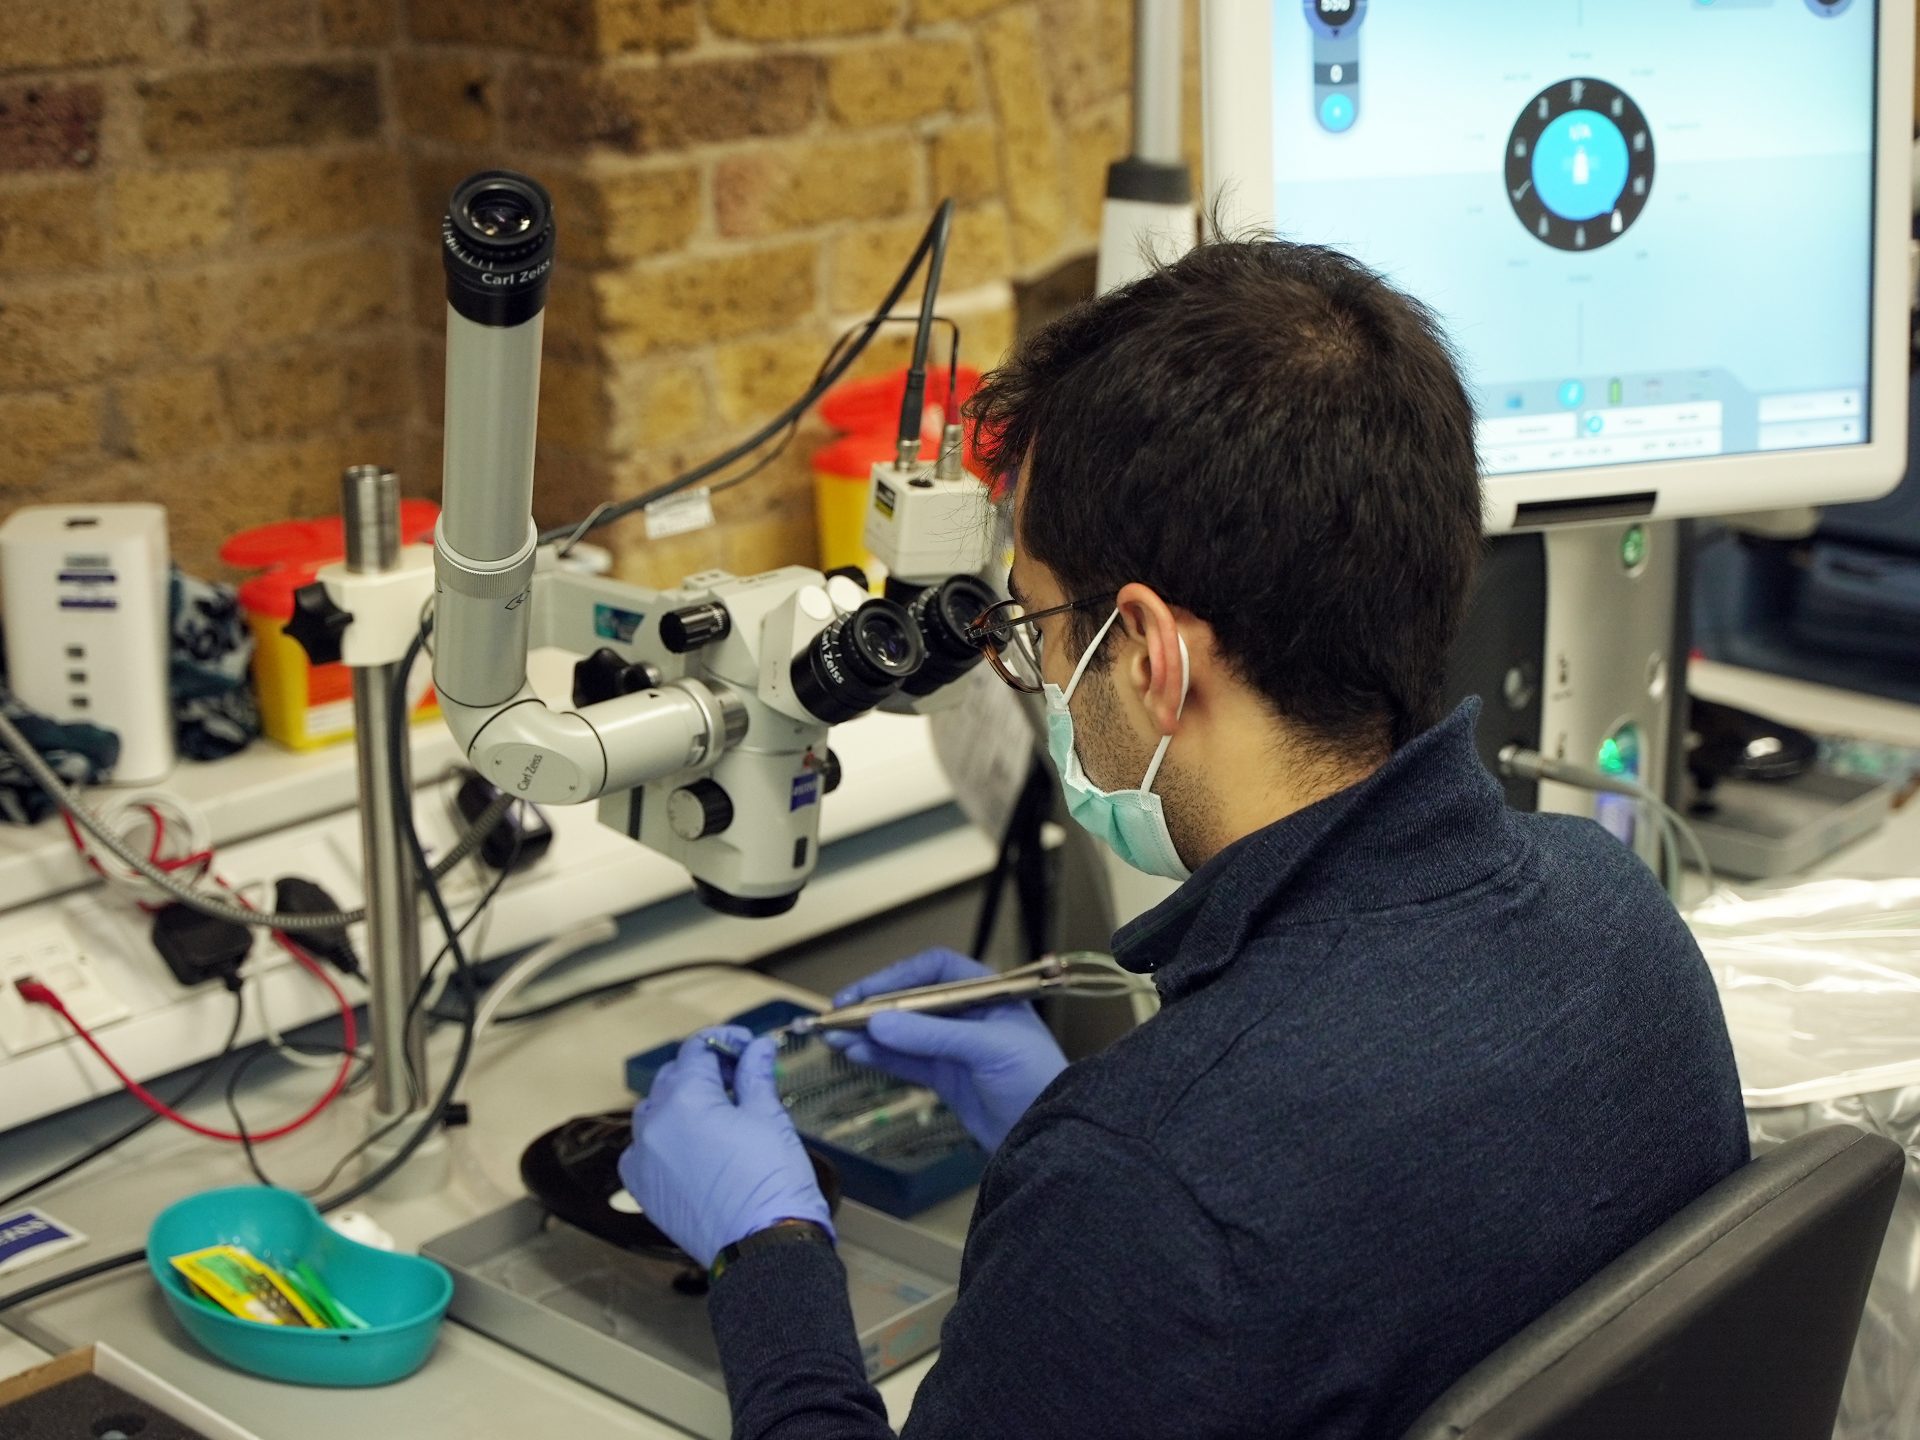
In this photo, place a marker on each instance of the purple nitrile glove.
(988, 1064)
(711, 1168)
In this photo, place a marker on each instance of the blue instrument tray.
(899, 1169)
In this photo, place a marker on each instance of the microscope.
(700, 714)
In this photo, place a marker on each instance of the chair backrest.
(1733, 1321)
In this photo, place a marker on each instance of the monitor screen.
(1646, 225)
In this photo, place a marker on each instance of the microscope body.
(743, 818)
(700, 714)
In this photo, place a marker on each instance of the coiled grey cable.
(70, 804)
(1674, 830)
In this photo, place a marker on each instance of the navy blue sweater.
(1424, 1066)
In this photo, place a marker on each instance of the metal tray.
(1762, 830)
(613, 1320)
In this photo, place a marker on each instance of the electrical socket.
(50, 957)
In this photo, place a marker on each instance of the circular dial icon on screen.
(1827, 9)
(1580, 164)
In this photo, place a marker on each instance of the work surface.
(524, 1080)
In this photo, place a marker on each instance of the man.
(1423, 1065)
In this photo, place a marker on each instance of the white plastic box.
(84, 590)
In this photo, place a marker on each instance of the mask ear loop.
(1160, 750)
(1073, 682)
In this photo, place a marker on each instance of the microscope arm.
(482, 616)
(485, 591)
(564, 757)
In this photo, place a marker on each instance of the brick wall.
(218, 219)
(200, 284)
(740, 179)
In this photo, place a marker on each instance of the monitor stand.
(1576, 643)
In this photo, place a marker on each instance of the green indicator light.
(1620, 752)
(1615, 392)
(1633, 547)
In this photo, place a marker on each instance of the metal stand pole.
(1158, 41)
(1148, 217)
(370, 505)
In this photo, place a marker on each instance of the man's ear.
(1156, 667)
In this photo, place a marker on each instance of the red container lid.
(873, 404)
(292, 552)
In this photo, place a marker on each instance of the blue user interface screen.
(1644, 224)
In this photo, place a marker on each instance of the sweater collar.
(1429, 822)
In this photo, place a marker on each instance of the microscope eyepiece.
(497, 241)
(857, 661)
(877, 637)
(944, 615)
(501, 215)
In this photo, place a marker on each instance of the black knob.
(830, 773)
(698, 810)
(318, 624)
(605, 675)
(697, 625)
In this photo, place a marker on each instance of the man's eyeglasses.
(1009, 638)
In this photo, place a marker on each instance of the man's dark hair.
(1272, 437)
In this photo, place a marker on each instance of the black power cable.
(932, 242)
(247, 1062)
(425, 987)
(786, 440)
(113, 1142)
(462, 973)
(915, 395)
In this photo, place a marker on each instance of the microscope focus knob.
(830, 773)
(694, 626)
(318, 625)
(698, 810)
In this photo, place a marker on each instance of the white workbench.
(17, 1354)
(524, 1080)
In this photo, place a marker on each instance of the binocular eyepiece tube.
(858, 661)
(497, 246)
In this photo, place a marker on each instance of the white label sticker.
(30, 1236)
(679, 514)
(330, 719)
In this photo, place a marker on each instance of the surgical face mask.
(1131, 823)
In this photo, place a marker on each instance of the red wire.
(35, 992)
(203, 859)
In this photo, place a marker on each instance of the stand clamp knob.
(318, 625)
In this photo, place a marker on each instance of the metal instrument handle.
(945, 998)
